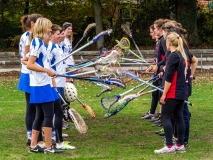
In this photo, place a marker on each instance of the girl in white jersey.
(28, 22)
(67, 43)
(42, 93)
(56, 54)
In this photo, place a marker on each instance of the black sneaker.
(186, 145)
(36, 149)
(28, 142)
(52, 150)
(162, 133)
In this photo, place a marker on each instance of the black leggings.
(175, 107)
(58, 120)
(155, 100)
(44, 115)
(30, 115)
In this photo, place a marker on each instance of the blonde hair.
(177, 42)
(70, 37)
(40, 29)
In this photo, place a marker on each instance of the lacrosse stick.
(109, 81)
(127, 30)
(86, 31)
(108, 89)
(72, 114)
(88, 108)
(94, 40)
(125, 44)
(133, 76)
(109, 59)
(118, 106)
(107, 102)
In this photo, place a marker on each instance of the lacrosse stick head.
(124, 43)
(111, 58)
(116, 82)
(78, 121)
(89, 27)
(126, 28)
(107, 102)
(70, 92)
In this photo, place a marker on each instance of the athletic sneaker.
(148, 116)
(65, 126)
(157, 132)
(162, 133)
(28, 142)
(36, 149)
(145, 114)
(186, 145)
(52, 150)
(166, 150)
(180, 149)
(64, 135)
(64, 146)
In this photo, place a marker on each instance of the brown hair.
(55, 28)
(160, 22)
(26, 21)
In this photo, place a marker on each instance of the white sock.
(29, 134)
(41, 145)
(59, 145)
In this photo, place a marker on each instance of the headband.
(66, 26)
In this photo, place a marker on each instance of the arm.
(33, 67)
(193, 65)
(173, 62)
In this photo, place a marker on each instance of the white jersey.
(38, 49)
(55, 54)
(66, 46)
(24, 41)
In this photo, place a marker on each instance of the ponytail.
(177, 41)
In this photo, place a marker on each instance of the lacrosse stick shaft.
(95, 39)
(137, 78)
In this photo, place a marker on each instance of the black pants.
(58, 120)
(44, 115)
(175, 107)
(30, 115)
(155, 100)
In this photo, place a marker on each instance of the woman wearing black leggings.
(174, 94)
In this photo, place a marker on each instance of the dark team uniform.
(175, 74)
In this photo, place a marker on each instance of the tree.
(98, 21)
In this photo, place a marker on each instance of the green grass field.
(123, 136)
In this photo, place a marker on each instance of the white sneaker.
(64, 146)
(64, 135)
(180, 149)
(166, 150)
(148, 116)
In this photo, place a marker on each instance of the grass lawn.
(123, 136)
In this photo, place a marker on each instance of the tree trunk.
(186, 15)
(98, 21)
(26, 10)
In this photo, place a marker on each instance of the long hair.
(177, 42)
(27, 19)
(160, 22)
(70, 37)
(40, 29)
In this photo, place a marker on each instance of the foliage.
(205, 27)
